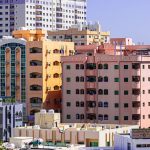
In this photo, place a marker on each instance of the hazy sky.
(124, 18)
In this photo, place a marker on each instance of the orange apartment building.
(43, 70)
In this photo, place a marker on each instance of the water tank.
(43, 111)
(51, 111)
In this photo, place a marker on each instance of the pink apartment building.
(100, 86)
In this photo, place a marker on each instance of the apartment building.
(13, 68)
(11, 116)
(43, 70)
(81, 34)
(104, 86)
(43, 14)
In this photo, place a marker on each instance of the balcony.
(136, 117)
(91, 91)
(91, 104)
(136, 91)
(91, 66)
(136, 104)
(136, 66)
(91, 116)
(91, 78)
(136, 78)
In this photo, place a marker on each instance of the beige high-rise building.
(81, 35)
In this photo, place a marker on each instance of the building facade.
(44, 14)
(81, 35)
(106, 88)
(43, 70)
(11, 116)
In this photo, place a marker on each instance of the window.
(125, 105)
(77, 116)
(143, 91)
(100, 92)
(68, 67)
(148, 91)
(125, 92)
(100, 66)
(100, 79)
(68, 117)
(143, 66)
(82, 36)
(116, 92)
(143, 79)
(116, 79)
(82, 91)
(116, 117)
(148, 66)
(125, 117)
(77, 66)
(77, 104)
(100, 117)
(148, 78)
(105, 117)
(77, 79)
(105, 92)
(68, 104)
(125, 66)
(68, 79)
(105, 66)
(81, 79)
(125, 79)
(105, 79)
(105, 104)
(116, 66)
(81, 66)
(68, 91)
(100, 104)
(82, 104)
(116, 105)
(77, 91)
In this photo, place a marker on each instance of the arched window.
(105, 91)
(35, 63)
(105, 79)
(100, 79)
(56, 87)
(77, 91)
(100, 92)
(35, 87)
(77, 116)
(105, 66)
(56, 75)
(100, 117)
(105, 104)
(81, 79)
(35, 100)
(56, 51)
(35, 75)
(77, 79)
(105, 117)
(100, 66)
(100, 104)
(82, 91)
(56, 63)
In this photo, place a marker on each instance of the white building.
(43, 14)
(10, 117)
(137, 139)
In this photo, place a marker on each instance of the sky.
(123, 18)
